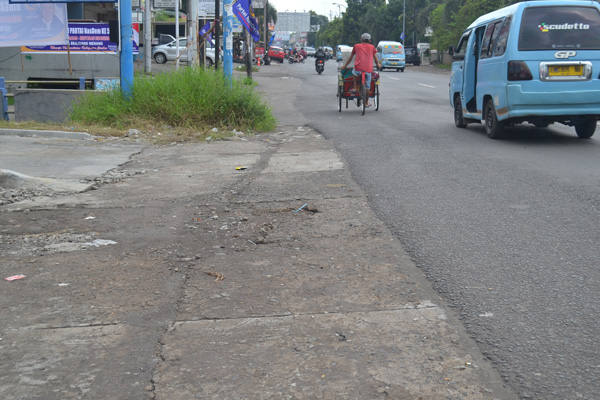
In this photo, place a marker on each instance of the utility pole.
(248, 53)
(217, 32)
(193, 32)
(414, 26)
(126, 57)
(267, 61)
(177, 34)
(228, 39)
(404, 23)
(148, 37)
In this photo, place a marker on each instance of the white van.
(536, 62)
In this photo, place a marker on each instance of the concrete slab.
(320, 356)
(63, 159)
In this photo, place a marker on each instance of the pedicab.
(346, 86)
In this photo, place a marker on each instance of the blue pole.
(228, 39)
(126, 57)
(3, 99)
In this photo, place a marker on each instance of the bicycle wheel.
(339, 99)
(363, 97)
(376, 98)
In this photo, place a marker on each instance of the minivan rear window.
(560, 27)
(392, 49)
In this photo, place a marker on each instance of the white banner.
(206, 8)
(33, 24)
(169, 4)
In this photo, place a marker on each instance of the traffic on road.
(505, 231)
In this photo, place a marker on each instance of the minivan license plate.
(565, 70)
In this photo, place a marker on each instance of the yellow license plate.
(394, 63)
(565, 70)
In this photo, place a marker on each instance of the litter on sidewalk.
(219, 277)
(300, 208)
(14, 278)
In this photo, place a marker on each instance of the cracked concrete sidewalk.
(317, 302)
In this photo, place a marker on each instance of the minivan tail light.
(518, 71)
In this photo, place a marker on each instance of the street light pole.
(266, 56)
(339, 9)
(404, 23)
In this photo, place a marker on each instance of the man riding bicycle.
(365, 54)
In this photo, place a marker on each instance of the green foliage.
(387, 20)
(452, 17)
(331, 35)
(190, 99)
(161, 17)
(382, 19)
(322, 21)
(259, 13)
(442, 36)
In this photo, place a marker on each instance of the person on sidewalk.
(365, 53)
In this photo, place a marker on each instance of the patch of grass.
(443, 66)
(182, 105)
(243, 68)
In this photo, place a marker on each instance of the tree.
(384, 20)
(271, 17)
(331, 35)
(351, 25)
(316, 20)
(454, 16)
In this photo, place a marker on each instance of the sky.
(321, 7)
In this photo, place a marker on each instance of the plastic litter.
(300, 208)
(14, 278)
(219, 277)
(100, 242)
(240, 168)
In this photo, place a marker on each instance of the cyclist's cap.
(365, 36)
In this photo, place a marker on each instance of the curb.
(52, 134)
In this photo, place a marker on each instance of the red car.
(276, 54)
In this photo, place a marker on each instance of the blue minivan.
(535, 62)
(391, 55)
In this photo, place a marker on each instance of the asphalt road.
(506, 231)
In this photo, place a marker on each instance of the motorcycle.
(293, 60)
(320, 65)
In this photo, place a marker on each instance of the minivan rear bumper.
(521, 104)
(386, 63)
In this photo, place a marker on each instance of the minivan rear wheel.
(459, 121)
(586, 129)
(493, 127)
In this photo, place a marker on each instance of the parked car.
(412, 55)
(276, 54)
(168, 52)
(310, 51)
